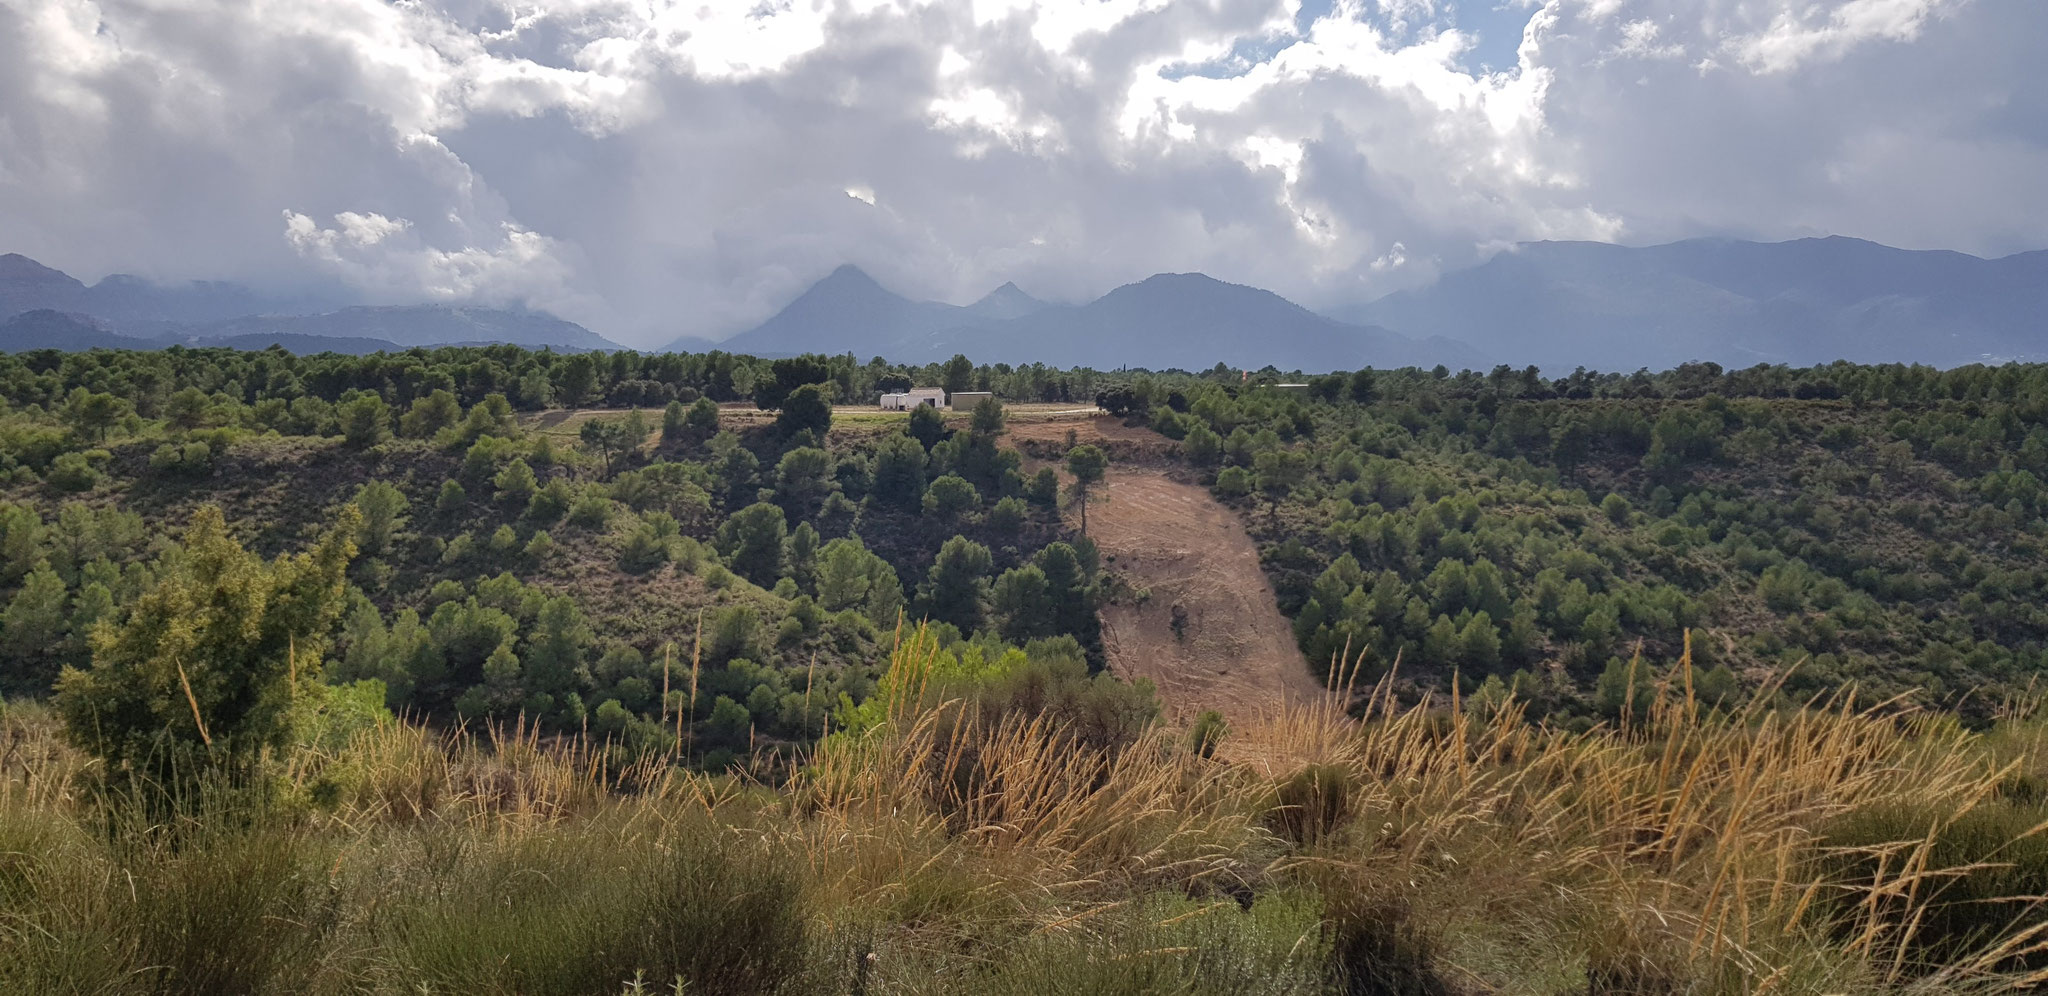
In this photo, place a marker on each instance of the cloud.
(1795, 36)
(376, 255)
(653, 168)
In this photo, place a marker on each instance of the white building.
(905, 401)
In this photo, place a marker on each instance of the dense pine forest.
(573, 538)
(647, 574)
(491, 670)
(1875, 526)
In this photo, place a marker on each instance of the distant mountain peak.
(1171, 279)
(1168, 320)
(1007, 301)
(17, 268)
(1192, 283)
(847, 273)
(1199, 290)
(848, 281)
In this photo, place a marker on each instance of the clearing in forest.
(1208, 632)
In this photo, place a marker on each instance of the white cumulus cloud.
(660, 167)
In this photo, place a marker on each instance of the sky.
(654, 169)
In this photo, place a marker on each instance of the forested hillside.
(1872, 525)
(651, 575)
(582, 540)
(768, 697)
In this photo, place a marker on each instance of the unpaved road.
(1235, 652)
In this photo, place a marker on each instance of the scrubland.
(1354, 845)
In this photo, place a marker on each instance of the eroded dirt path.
(1232, 651)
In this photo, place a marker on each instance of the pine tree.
(34, 621)
(956, 591)
(1087, 463)
(213, 654)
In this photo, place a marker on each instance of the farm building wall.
(906, 400)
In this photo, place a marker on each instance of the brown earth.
(1174, 543)
(1044, 440)
(1191, 559)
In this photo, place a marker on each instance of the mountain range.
(1184, 320)
(1804, 302)
(1556, 305)
(1552, 304)
(45, 308)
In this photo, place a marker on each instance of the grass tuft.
(947, 848)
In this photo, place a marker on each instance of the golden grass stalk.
(1685, 845)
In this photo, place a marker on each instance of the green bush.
(191, 459)
(76, 472)
(2000, 851)
(546, 913)
(1207, 733)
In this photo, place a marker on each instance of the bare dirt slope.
(1234, 651)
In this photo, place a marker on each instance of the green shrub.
(584, 912)
(451, 497)
(592, 510)
(1998, 844)
(1207, 733)
(1312, 802)
(1169, 944)
(76, 471)
(192, 459)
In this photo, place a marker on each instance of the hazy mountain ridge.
(1552, 304)
(1187, 320)
(847, 311)
(418, 325)
(1803, 302)
(138, 306)
(140, 314)
(1193, 321)
(46, 328)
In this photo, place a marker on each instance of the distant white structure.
(906, 400)
(964, 401)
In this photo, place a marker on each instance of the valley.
(611, 612)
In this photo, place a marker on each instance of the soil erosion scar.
(1210, 634)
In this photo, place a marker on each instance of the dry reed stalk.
(193, 701)
(1689, 834)
(696, 664)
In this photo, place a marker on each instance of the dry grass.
(1422, 850)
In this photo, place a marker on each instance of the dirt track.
(1235, 652)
